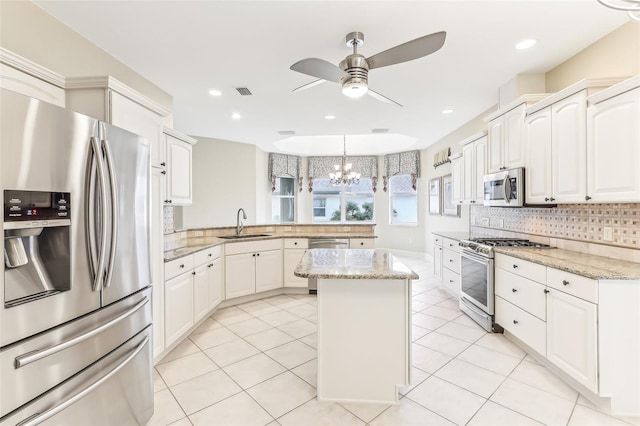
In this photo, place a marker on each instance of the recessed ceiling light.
(214, 92)
(447, 111)
(236, 116)
(330, 117)
(525, 44)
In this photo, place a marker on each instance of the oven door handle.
(474, 257)
(41, 417)
(30, 357)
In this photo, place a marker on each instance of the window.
(403, 201)
(283, 201)
(342, 203)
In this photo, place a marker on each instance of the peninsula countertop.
(353, 264)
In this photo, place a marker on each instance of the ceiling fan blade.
(308, 85)
(319, 68)
(382, 98)
(408, 51)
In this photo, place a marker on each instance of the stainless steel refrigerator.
(75, 319)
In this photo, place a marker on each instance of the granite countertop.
(202, 243)
(352, 264)
(586, 265)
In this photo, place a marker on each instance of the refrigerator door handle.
(99, 271)
(41, 417)
(30, 357)
(113, 187)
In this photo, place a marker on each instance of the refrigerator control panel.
(36, 205)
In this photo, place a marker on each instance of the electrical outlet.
(473, 220)
(607, 233)
(501, 223)
(484, 221)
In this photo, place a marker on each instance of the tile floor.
(255, 364)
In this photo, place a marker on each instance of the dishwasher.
(325, 243)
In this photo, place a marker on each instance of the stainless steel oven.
(477, 287)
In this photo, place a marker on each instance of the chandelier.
(343, 174)
(632, 7)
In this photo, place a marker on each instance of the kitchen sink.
(236, 237)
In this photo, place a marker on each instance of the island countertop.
(352, 264)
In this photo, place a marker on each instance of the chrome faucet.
(240, 225)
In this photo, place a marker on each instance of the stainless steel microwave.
(505, 188)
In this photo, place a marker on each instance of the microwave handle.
(504, 189)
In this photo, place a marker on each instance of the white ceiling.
(190, 47)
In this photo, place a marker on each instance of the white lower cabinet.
(588, 328)
(362, 243)
(200, 292)
(252, 267)
(216, 283)
(451, 266)
(294, 249)
(178, 307)
(572, 337)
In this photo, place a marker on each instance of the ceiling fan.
(353, 72)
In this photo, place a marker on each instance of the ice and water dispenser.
(36, 245)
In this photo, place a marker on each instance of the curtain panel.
(284, 165)
(402, 163)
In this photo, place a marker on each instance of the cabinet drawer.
(207, 255)
(451, 281)
(451, 260)
(524, 268)
(522, 292)
(253, 246)
(531, 330)
(437, 240)
(450, 244)
(363, 243)
(177, 267)
(576, 285)
(296, 243)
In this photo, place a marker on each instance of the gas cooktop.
(485, 246)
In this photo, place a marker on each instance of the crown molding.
(108, 82)
(473, 138)
(615, 90)
(592, 85)
(29, 67)
(524, 99)
(179, 135)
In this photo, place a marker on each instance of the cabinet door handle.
(451, 281)
(514, 290)
(546, 291)
(193, 273)
(587, 198)
(164, 172)
(163, 164)
(258, 254)
(450, 260)
(552, 199)
(254, 255)
(546, 198)
(515, 321)
(210, 265)
(210, 254)
(565, 282)
(295, 243)
(182, 265)
(361, 243)
(515, 266)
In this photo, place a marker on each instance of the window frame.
(393, 196)
(275, 196)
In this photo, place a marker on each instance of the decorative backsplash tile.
(168, 212)
(611, 224)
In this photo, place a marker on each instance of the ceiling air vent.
(286, 132)
(244, 91)
(379, 130)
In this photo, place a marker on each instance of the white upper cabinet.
(538, 151)
(457, 180)
(179, 167)
(506, 145)
(613, 143)
(474, 167)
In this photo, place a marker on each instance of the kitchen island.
(364, 323)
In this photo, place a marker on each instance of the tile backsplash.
(609, 224)
(169, 224)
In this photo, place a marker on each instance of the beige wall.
(226, 177)
(615, 55)
(28, 31)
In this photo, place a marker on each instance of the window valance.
(284, 165)
(402, 163)
(320, 167)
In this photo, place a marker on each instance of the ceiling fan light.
(354, 89)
